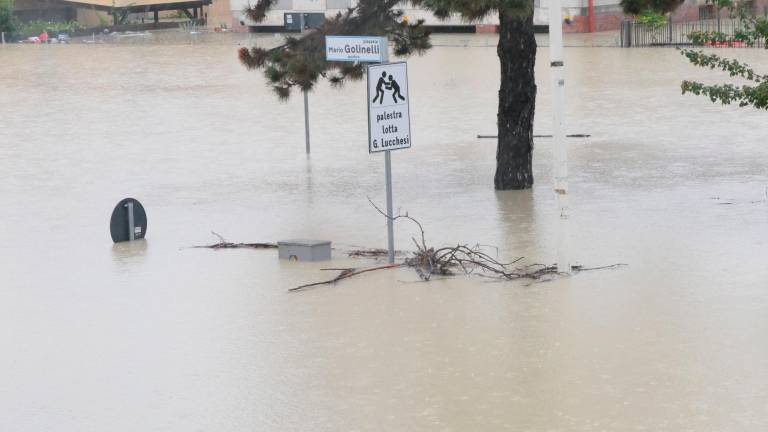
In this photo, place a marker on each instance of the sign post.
(389, 120)
(389, 125)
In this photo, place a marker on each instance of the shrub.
(8, 23)
(34, 28)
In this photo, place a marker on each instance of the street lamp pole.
(558, 133)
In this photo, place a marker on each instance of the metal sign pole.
(131, 222)
(388, 176)
(558, 133)
(306, 119)
(390, 213)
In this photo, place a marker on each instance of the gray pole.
(3, 37)
(306, 118)
(390, 215)
(131, 222)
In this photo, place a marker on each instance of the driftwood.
(368, 253)
(452, 261)
(345, 273)
(428, 261)
(729, 201)
(223, 244)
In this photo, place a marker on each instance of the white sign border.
(368, 104)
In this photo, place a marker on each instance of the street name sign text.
(363, 49)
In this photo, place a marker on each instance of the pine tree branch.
(300, 62)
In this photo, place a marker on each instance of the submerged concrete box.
(304, 250)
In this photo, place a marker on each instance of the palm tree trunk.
(517, 101)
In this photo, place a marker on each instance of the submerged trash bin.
(304, 250)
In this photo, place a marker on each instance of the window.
(338, 4)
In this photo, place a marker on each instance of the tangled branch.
(223, 244)
(345, 274)
(463, 259)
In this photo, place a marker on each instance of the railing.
(633, 34)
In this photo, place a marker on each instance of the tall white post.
(306, 119)
(558, 134)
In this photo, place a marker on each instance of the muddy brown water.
(156, 337)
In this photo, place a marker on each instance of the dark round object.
(118, 225)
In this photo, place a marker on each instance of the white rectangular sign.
(363, 49)
(389, 117)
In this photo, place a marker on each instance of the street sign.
(389, 119)
(362, 49)
(128, 221)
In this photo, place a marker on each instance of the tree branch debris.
(453, 261)
(448, 261)
(223, 244)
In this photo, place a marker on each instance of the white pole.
(306, 119)
(390, 215)
(558, 133)
(2, 36)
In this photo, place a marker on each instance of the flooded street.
(154, 336)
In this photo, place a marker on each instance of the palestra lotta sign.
(389, 118)
(363, 49)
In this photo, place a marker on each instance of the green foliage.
(743, 35)
(8, 22)
(752, 29)
(745, 95)
(721, 4)
(652, 19)
(760, 27)
(103, 21)
(472, 10)
(698, 37)
(34, 28)
(637, 7)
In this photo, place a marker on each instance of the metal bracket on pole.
(390, 215)
(131, 222)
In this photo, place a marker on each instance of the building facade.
(607, 14)
(282, 14)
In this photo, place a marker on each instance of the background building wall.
(608, 13)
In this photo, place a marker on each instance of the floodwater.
(154, 336)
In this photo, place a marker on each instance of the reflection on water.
(174, 339)
(129, 253)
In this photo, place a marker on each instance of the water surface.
(153, 336)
